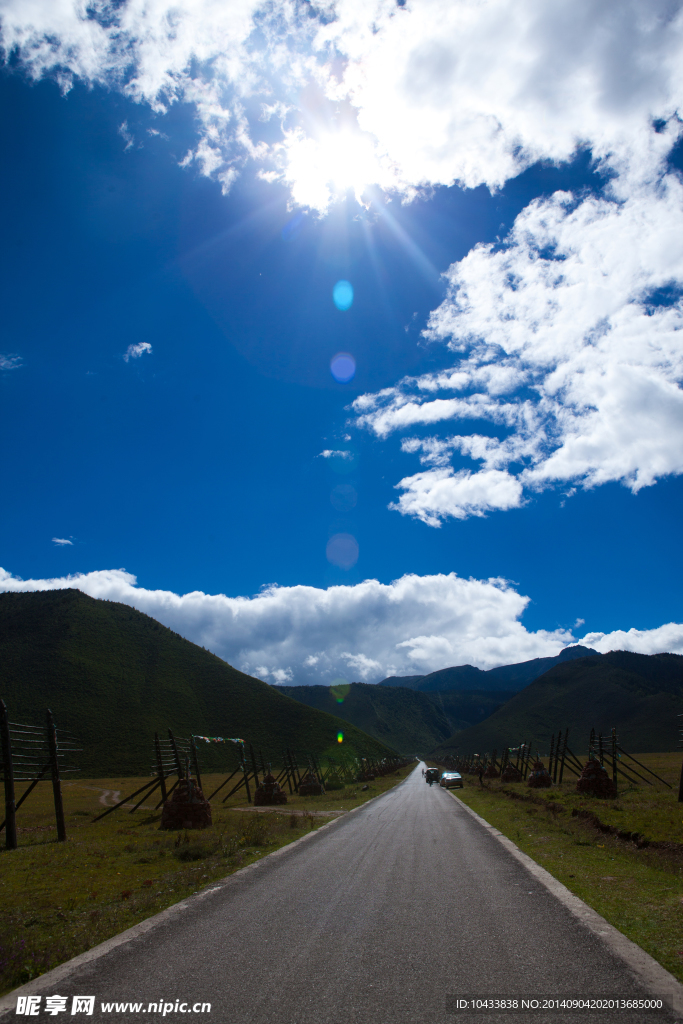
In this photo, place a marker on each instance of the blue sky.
(169, 325)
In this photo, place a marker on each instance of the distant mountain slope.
(407, 720)
(113, 676)
(639, 694)
(506, 677)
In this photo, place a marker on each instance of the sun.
(323, 168)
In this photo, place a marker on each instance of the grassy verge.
(636, 885)
(61, 899)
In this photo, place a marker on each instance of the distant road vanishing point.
(389, 915)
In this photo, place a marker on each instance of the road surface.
(385, 917)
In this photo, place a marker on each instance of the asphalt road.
(385, 917)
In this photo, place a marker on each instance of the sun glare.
(327, 167)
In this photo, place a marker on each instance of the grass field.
(637, 888)
(60, 899)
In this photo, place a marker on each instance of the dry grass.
(638, 888)
(67, 897)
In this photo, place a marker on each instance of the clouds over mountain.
(416, 624)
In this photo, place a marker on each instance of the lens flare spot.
(343, 461)
(340, 737)
(342, 550)
(339, 690)
(343, 367)
(293, 226)
(344, 497)
(342, 295)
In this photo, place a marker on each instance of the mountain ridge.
(113, 676)
(638, 694)
(506, 677)
(406, 719)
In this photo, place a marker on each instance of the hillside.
(114, 676)
(505, 677)
(409, 721)
(639, 694)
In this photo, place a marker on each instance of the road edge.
(655, 978)
(58, 975)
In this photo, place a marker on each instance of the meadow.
(635, 883)
(60, 899)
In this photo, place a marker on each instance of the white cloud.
(315, 636)
(642, 641)
(439, 493)
(568, 308)
(61, 541)
(282, 676)
(416, 624)
(126, 135)
(10, 361)
(434, 92)
(474, 92)
(366, 668)
(135, 351)
(329, 453)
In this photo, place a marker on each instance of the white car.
(451, 779)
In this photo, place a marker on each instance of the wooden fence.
(606, 749)
(32, 753)
(29, 754)
(248, 767)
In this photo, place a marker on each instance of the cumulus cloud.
(61, 541)
(641, 641)
(438, 493)
(306, 635)
(417, 624)
(135, 351)
(432, 92)
(567, 340)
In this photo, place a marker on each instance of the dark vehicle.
(431, 776)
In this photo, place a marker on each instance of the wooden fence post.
(245, 771)
(564, 752)
(552, 751)
(319, 773)
(160, 767)
(8, 775)
(195, 761)
(253, 765)
(287, 775)
(614, 758)
(56, 782)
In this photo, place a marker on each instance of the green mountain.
(113, 676)
(410, 721)
(639, 694)
(505, 677)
